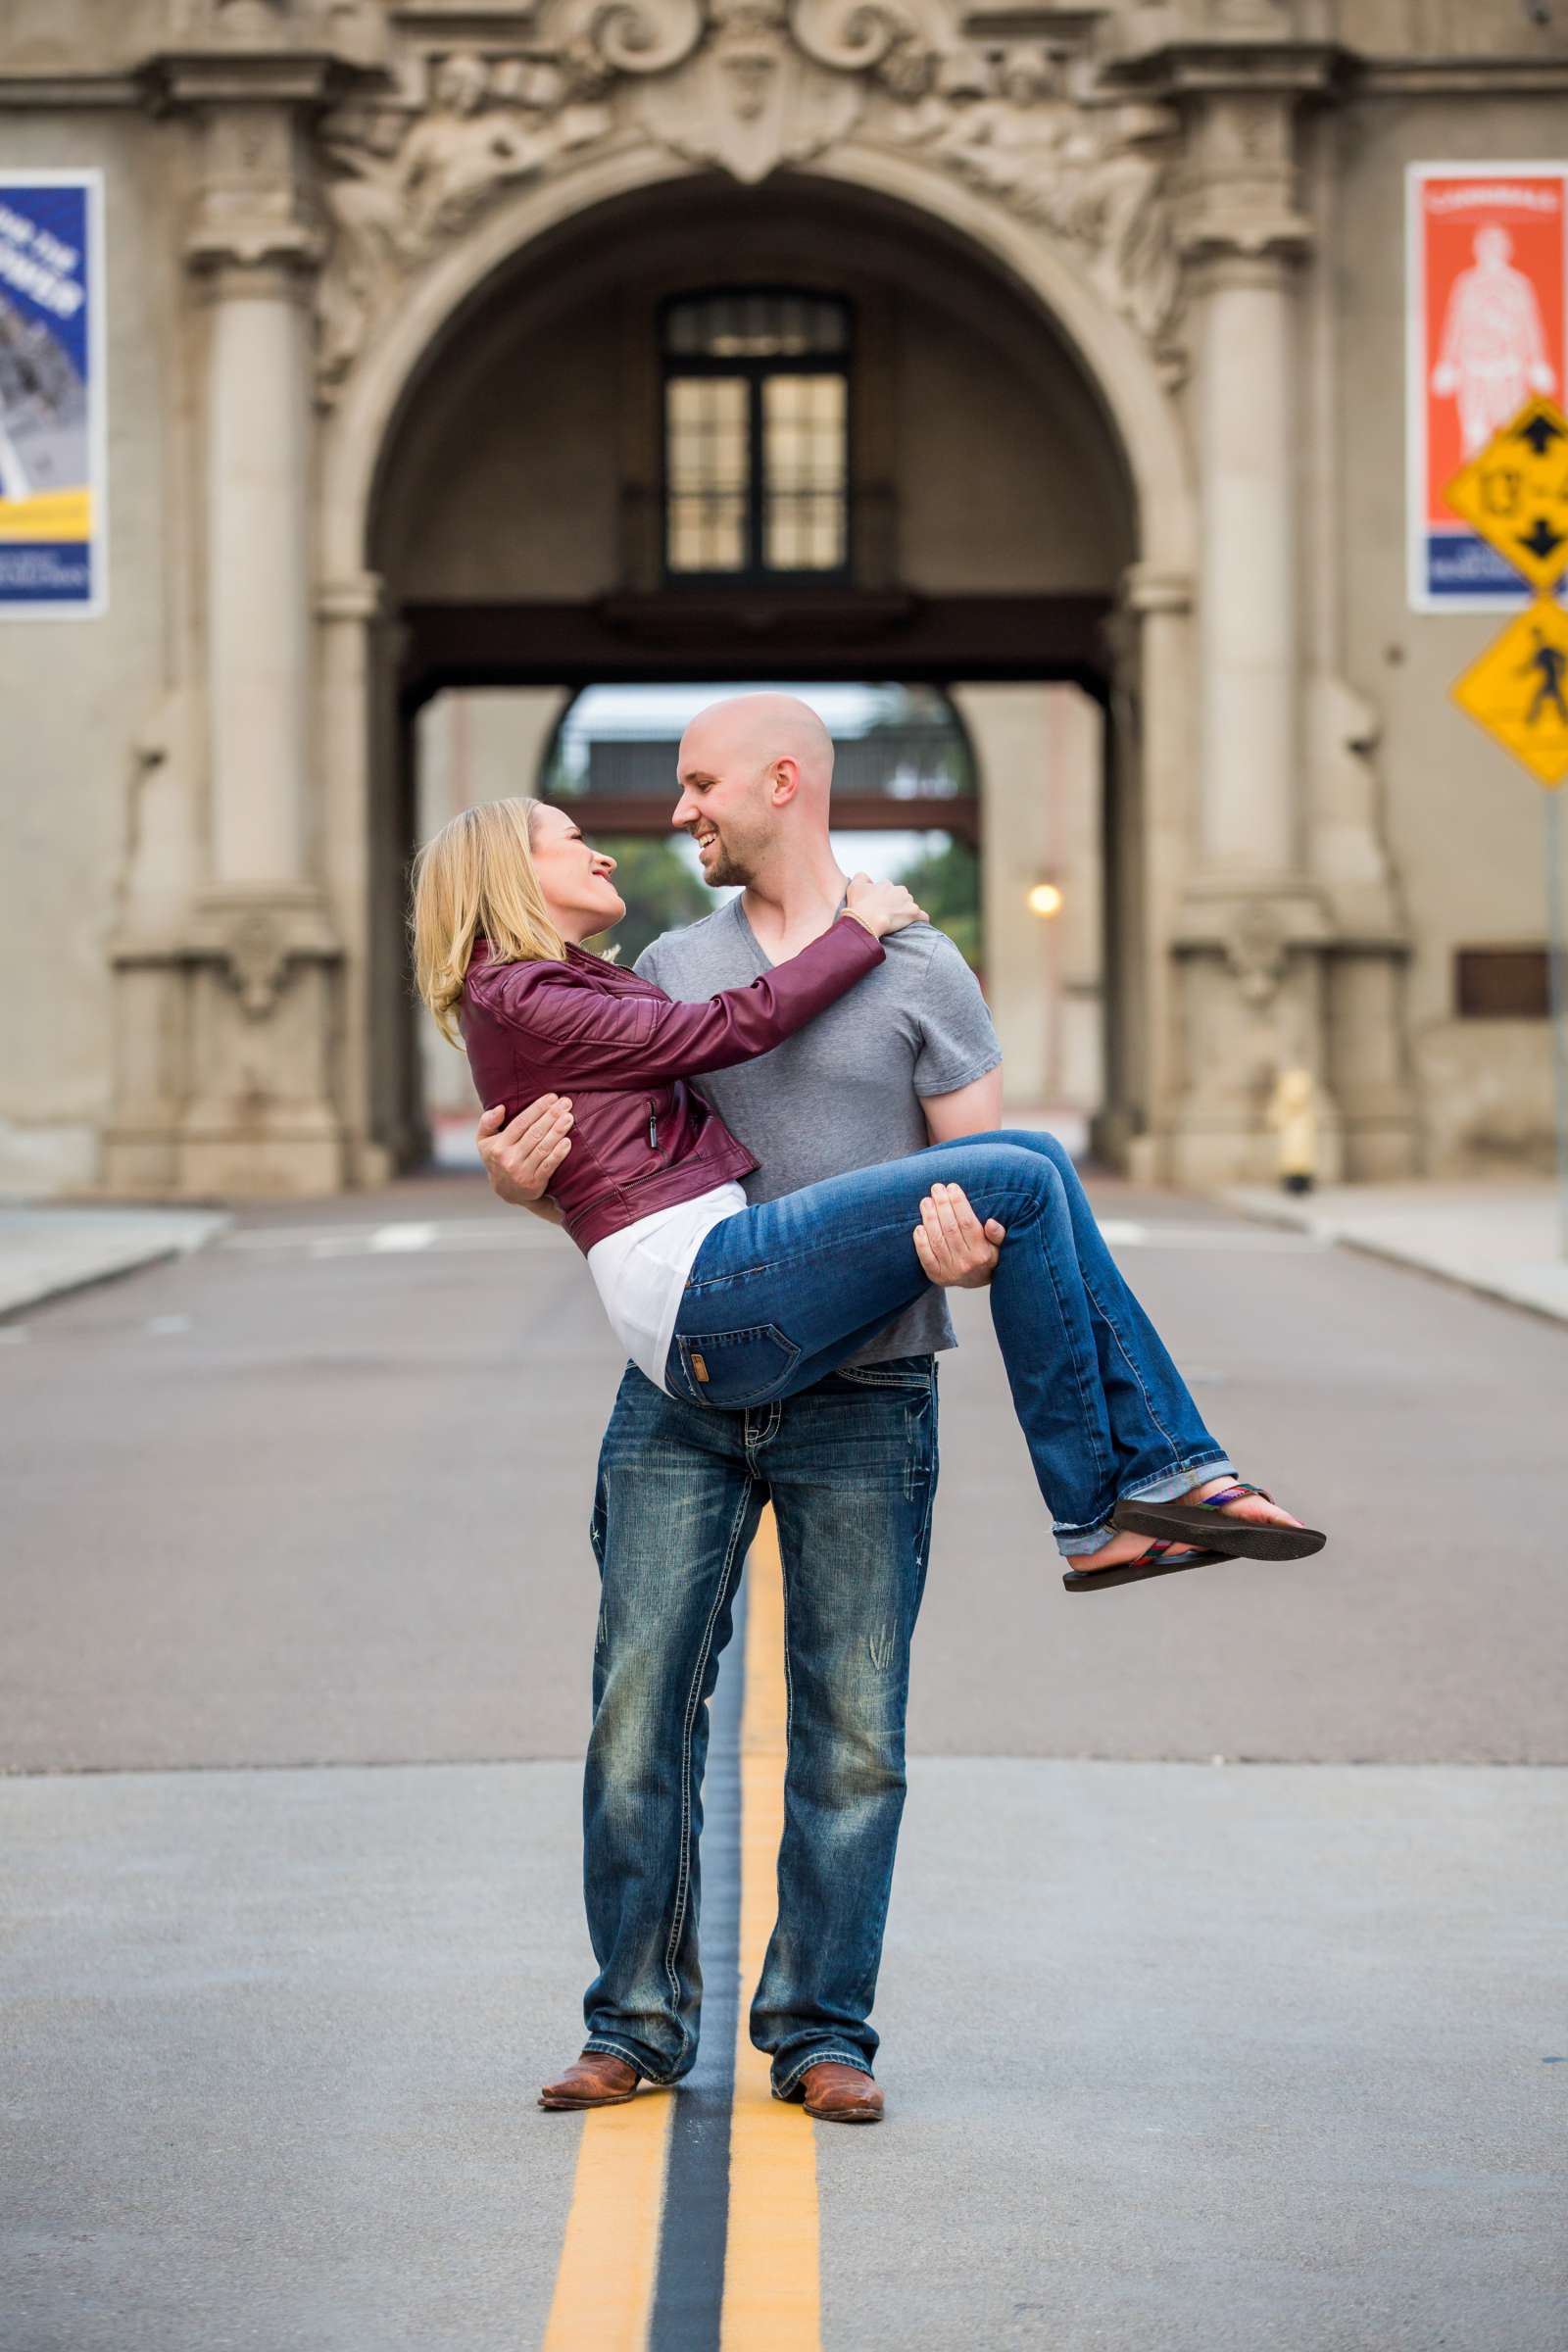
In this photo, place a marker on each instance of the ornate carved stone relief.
(1256, 949)
(257, 951)
(745, 85)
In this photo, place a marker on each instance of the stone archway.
(362, 166)
(1137, 422)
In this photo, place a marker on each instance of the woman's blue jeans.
(782, 1292)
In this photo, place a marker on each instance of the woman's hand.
(882, 907)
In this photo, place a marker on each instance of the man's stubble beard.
(725, 872)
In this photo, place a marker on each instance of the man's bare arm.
(520, 1157)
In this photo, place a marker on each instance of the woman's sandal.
(1176, 1523)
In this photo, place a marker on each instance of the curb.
(1480, 1284)
(181, 1236)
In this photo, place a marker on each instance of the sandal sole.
(1243, 1538)
(1086, 1580)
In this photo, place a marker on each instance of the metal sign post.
(1515, 494)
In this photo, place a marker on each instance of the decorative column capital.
(255, 73)
(253, 210)
(1240, 210)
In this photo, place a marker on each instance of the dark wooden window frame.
(677, 366)
(1511, 983)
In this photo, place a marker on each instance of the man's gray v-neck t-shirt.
(845, 1091)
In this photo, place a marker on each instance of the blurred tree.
(660, 891)
(946, 880)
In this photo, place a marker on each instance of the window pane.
(682, 329)
(706, 465)
(829, 326)
(1502, 983)
(746, 325)
(803, 472)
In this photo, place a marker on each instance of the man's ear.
(786, 782)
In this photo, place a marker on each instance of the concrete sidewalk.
(1504, 1240)
(46, 1251)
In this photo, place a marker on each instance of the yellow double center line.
(772, 2269)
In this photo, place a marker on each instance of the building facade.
(534, 343)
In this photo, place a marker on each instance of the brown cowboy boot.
(840, 2093)
(595, 2080)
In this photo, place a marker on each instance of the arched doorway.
(515, 535)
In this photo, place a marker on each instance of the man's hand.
(955, 1250)
(520, 1157)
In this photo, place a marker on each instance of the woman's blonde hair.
(476, 876)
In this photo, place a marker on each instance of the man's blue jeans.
(782, 1292)
(850, 1465)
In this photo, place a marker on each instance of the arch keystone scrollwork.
(745, 86)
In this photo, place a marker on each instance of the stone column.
(1006, 730)
(258, 564)
(1151, 823)
(229, 1012)
(354, 700)
(1253, 924)
(1246, 593)
(1038, 750)
(265, 1110)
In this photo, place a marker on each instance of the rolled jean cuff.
(784, 2085)
(1073, 1542)
(621, 2050)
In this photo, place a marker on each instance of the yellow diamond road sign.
(1518, 690)
(1515, 492)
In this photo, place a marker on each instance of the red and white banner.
(1487, 272)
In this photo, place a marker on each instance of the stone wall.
(1141, 308)
(1463, 821)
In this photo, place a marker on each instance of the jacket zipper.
(652, 1126)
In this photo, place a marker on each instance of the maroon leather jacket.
(641, 1139)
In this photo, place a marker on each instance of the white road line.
(359, 1241)
(519, 1235)
(1125, 1235)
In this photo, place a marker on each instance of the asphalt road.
(1262, 2056)
(304, 1499)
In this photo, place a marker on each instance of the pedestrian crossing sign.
(1518, 690)
(1514, 492)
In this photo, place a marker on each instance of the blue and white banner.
(53, 547)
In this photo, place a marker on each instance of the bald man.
(907, 1059)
